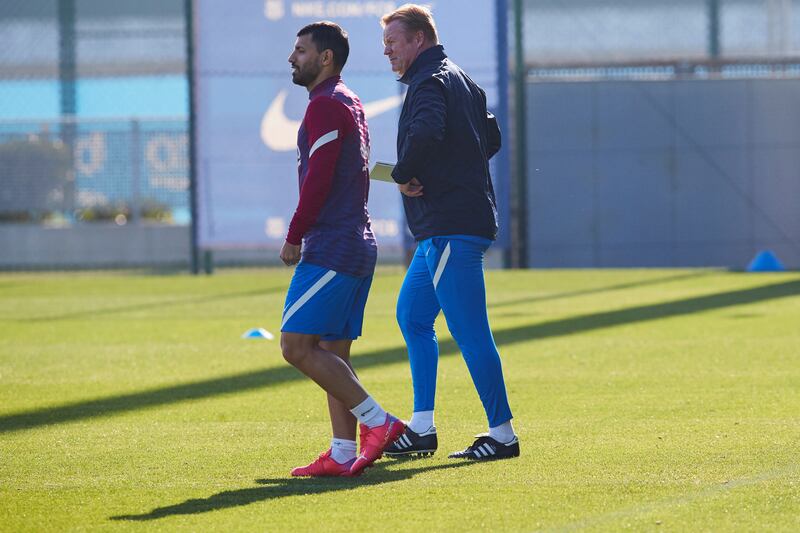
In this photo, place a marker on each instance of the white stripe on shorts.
(442, 263)
(307, 296)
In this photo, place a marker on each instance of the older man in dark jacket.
(445, 139)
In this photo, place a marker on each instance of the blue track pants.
(446, 275)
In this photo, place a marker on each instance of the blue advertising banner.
(248, 110)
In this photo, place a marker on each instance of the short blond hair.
(415, 18)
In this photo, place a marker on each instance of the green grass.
(644, 400)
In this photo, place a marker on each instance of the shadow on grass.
(151, 305)
(598, 290)
(284, 374)
(645, 313)
(274, 489)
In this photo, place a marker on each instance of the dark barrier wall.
(673, 173)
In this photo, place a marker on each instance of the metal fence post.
(713, 29)
(519, 256)
(195, 251)
(67, 75)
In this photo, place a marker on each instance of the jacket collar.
(324, 86)
(431, 56)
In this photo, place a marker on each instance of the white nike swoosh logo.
(279, 132)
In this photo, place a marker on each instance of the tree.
(33, 174)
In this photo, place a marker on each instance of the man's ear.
(327, 57)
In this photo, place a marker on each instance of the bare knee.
(296, 348)
(340, 348)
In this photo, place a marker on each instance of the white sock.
(369, 412)
(343, 450)
(422, 422)
(503, 433)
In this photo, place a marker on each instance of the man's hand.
(412, 189)
(290, 254)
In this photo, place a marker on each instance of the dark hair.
(328, 35)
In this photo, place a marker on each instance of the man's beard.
(304, 76)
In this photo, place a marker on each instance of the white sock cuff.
(421, 421)
(343, 444)
(369, 412)
(503, 433)
(343, 450)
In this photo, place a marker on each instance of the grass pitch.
(644, 400)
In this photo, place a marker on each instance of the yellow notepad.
(382, 172)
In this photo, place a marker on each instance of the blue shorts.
(325, 303)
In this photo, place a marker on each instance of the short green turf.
(643, 399)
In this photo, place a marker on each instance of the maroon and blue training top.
(331, 218)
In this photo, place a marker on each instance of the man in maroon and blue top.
(331, 241)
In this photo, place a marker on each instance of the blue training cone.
(258, 333)
(765, 261)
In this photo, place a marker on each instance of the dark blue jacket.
(445, 139)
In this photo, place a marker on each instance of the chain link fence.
(612, 39)
(93, 122)
(94, 102)
(92, 58)
(661, 133)
(120, 171)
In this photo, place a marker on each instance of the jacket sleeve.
(426, 130)
(327, 122)
(492, 136)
